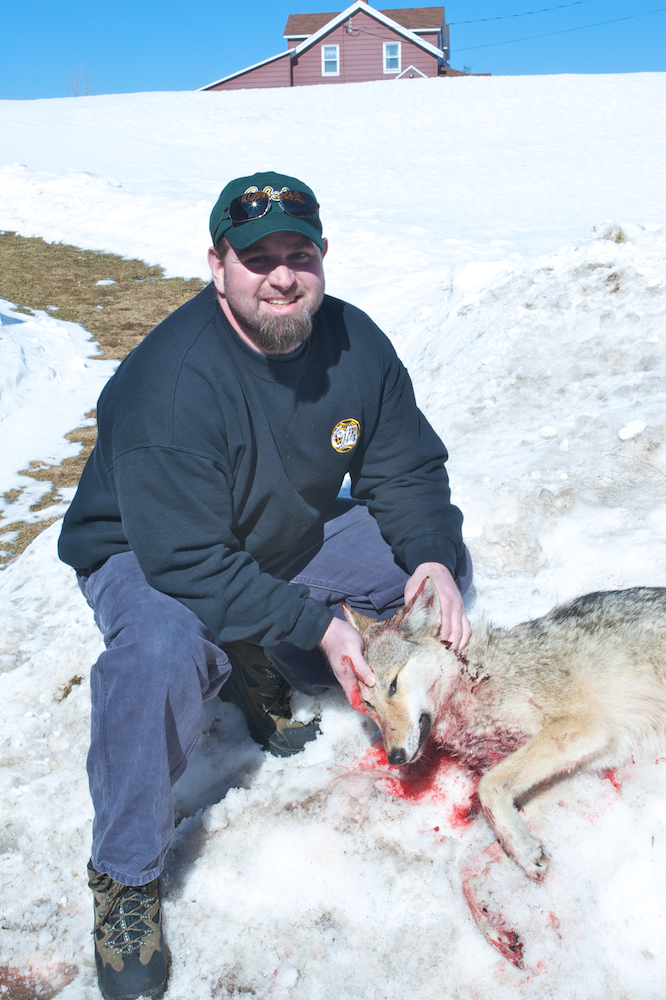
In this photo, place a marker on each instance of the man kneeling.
(210, 540)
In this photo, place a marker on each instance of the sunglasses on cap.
(254, 204)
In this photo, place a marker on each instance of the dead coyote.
(582, 686)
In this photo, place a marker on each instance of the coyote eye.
(394, 685)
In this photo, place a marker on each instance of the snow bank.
(532, 373)
(48, 381)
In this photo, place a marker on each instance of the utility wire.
(543, 10)
(564, 31)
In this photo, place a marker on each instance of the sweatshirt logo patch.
(345, 434)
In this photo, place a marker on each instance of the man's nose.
(282, 277)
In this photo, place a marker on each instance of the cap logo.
(345, 434)
(286, 194)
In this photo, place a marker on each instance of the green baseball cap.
(290, 206)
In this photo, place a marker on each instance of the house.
(358, 44)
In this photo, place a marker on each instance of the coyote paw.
(527, 851)
(532, 859)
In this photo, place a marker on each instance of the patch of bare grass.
(34, 275)
(26, 534)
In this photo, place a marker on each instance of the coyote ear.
(360, 622)
(422, 617)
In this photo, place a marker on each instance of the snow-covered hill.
(510, 236)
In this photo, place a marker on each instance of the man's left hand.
(455, 626)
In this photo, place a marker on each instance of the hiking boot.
(262, 694)
(130, 954)
(291, 737)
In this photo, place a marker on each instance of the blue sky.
(136, 45)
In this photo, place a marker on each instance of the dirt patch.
(38, 275)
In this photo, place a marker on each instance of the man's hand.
(343, 647)
(455, 626)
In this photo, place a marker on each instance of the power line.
(564, 31)
(543, 10)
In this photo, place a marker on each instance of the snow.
(48, 381)
(633, 428)
(510, 236)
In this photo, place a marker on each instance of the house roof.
(414, 19)
(247, 69)
(417, 18)
(378, 15)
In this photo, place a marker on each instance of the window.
(392, 57)
(330, 60)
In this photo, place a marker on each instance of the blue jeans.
(161, 663)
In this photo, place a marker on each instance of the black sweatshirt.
(213, 460)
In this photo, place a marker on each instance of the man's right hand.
(343, 647)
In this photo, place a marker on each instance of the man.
(208, 516)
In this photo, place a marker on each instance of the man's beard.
(277, 334)
(282, 334)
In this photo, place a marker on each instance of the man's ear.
(216, 270)
(325, 250)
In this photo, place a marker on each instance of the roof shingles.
(412, 18)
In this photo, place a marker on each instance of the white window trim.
(323, 60)
(392, 71)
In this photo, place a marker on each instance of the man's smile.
(281, 305)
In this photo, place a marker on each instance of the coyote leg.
(563, 745)
(490, 921)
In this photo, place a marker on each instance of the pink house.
(356, 45)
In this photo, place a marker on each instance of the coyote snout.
(582, 686)
(397, 755)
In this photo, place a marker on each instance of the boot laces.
(271, 691)
(126, 914)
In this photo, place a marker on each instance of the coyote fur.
(581, 687)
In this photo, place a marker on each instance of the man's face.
(270, 291)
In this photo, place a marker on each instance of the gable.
(362, 10)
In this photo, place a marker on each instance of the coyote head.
(414, 672)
